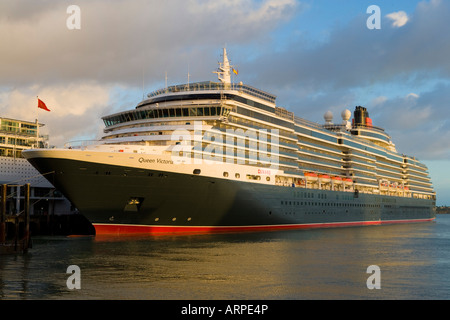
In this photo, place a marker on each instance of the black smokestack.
(360, 114)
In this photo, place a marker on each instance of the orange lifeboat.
(324, 178)
(336, 179)
(348, 181)
(311, 176)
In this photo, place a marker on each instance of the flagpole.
(41, 105)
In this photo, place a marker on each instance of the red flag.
(42, 105)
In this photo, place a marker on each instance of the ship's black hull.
(119, 199)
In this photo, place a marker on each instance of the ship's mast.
(224, 73)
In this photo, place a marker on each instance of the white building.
(15, 171)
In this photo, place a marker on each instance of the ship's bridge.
(213, 95)
(206, 98)
(202, 88)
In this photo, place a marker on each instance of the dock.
(14, 229)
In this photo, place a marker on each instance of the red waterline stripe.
(119, 229)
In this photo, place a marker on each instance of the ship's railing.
(305, 122)
(369, 127)
(282, 112)
(209, 85)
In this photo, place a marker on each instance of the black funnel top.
(360, 114)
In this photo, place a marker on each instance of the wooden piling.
(26, 239)
(22, 240)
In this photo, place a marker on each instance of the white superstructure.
(241, 125)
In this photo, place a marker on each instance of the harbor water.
(413, 262)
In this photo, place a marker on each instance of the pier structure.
(15, 228)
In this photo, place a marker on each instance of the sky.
(314, 56)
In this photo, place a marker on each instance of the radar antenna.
(223, 73)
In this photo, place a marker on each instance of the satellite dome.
(346, 114)
(328, 116)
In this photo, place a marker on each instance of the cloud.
(400, 72)
(74, 99)
(75, 108)
(379, 100)
(392, 70)
(399, 18)
(418, 125)
(355, 56)
(119, 38)
(84, 74)
(412, 95)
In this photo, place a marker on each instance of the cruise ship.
(223, 157)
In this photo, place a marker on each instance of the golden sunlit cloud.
(399, 18)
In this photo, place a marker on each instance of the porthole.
(174, 219)
(156, 219)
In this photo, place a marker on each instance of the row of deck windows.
(163, 113)
(306, 161)
(329, 204)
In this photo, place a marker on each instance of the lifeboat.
(311, 176)
(336, 179)
(348, 181)
(324, 178)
